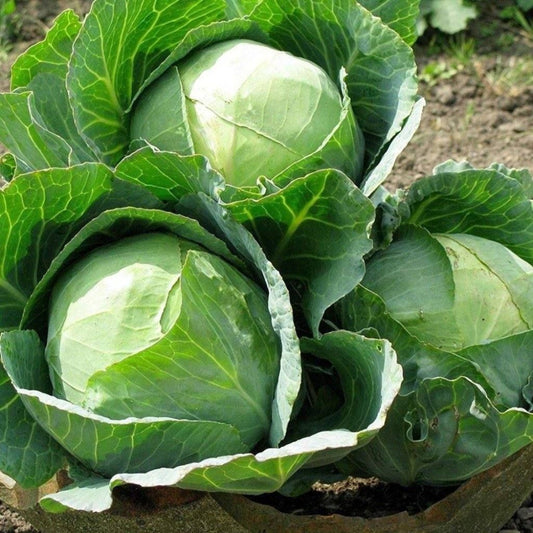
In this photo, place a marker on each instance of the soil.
(479, 94)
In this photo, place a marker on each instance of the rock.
(444, 94)
(525, 513)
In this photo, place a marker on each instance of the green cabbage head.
(250, 109)
(460, 291)
(154, 325)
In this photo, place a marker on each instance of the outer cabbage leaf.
(309, 232)
(371, 386)
(43, 70)
(369, 376)
(104, 445)
(168, 175)
(24, 132)
(507, 367)
(379, 173)
(486, 203)
(39, 213)
(249, 473)
(402, 19)
(46, 133)
(442, 433)
(27, 451)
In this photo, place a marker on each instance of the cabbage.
(452, 288)
(129, 336)
(482, 294)
(250, 109)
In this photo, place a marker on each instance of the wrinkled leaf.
(168, 175)
(444, 432)
(485, 203)
(104, 445)
(43, 69)
(370, 378)
(39, 212)
(27, 452)
(315, 232)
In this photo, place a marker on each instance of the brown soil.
(475, 116)
(479, 108)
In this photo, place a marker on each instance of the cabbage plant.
(217, 79)
(453, 291)
(137, 347)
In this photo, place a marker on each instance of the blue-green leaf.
(265, 471)
(485, 203)
(443, 433)
(42, 69)
(381, 171)
(24, 132)
(27, 453)
(316, 232)
(168, 175)
(370, 377)
(507, 364)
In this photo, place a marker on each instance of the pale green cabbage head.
(154, 325)
(250, 109)
(462, 291)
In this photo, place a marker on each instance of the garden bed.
(479, 93)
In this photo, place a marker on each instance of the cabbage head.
(250, 109)
(154, 325)
(484, 293)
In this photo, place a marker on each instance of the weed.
(436, 71)
(510, 75)
(519, 17)
(7, 8)
(461, 48)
